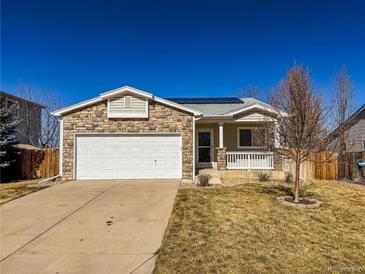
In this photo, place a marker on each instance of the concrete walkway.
(87, 227)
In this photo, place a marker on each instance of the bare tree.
(49, 136)
(269, 95)
(302, 131)
(249, 91)
(343, 96)
(344, 106)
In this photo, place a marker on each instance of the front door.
(205, 156)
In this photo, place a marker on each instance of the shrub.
(288, 177)
(203, 180)
(264, 177)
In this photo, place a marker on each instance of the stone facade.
(221, 158)
(162, 119)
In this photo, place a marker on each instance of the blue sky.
(178, 48)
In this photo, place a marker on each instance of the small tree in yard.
(302, 130)
(8, 124)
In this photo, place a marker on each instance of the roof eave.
(106, 95)
(125, 89)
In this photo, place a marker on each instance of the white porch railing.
(250, 160)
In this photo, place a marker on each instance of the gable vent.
(127, 101)
(128, 106)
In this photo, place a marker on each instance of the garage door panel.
(128, 156)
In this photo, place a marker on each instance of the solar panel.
(206, 100)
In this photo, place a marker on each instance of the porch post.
(221, 158)
(276, 135)
(221, 135)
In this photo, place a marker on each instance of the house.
(30, 115)
(128, 133)
(355, 131)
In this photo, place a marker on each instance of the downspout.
(61, 147)
(60, 154)
(193, 149)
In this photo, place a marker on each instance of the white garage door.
(128, 156)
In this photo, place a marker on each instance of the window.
(251, 137)
(128, 101)
(245, 138)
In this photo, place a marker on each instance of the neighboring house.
(127, 133)
(30, 115)
(355, 131)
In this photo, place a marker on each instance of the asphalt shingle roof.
(222, 108)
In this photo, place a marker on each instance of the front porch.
(233, 146)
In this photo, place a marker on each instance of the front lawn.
(243, 229)
(11, 191)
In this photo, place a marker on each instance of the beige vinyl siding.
(138, 105)
(356, 137)
(230, 138)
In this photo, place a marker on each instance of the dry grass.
(243, 229)
(11, 191)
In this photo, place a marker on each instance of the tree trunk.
(296, 185)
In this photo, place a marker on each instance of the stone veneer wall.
(221, 158)
(162, 119)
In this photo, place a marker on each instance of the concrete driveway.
(87, 227)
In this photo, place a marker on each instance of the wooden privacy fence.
(327, 166)
(38, 163)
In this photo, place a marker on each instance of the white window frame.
(250, 128)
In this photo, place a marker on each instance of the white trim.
(61, 147)
(108, 108)
(125, 89)
(127, 115)
(77, 106)
(251, 128)
(205, 164)
(74, 157)
(147, 109)
(240, 160)
(194, 153)
(176, 105)
(255, 106)
(221, 134)
(129, 133)
(276, 135)
(106, 95)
